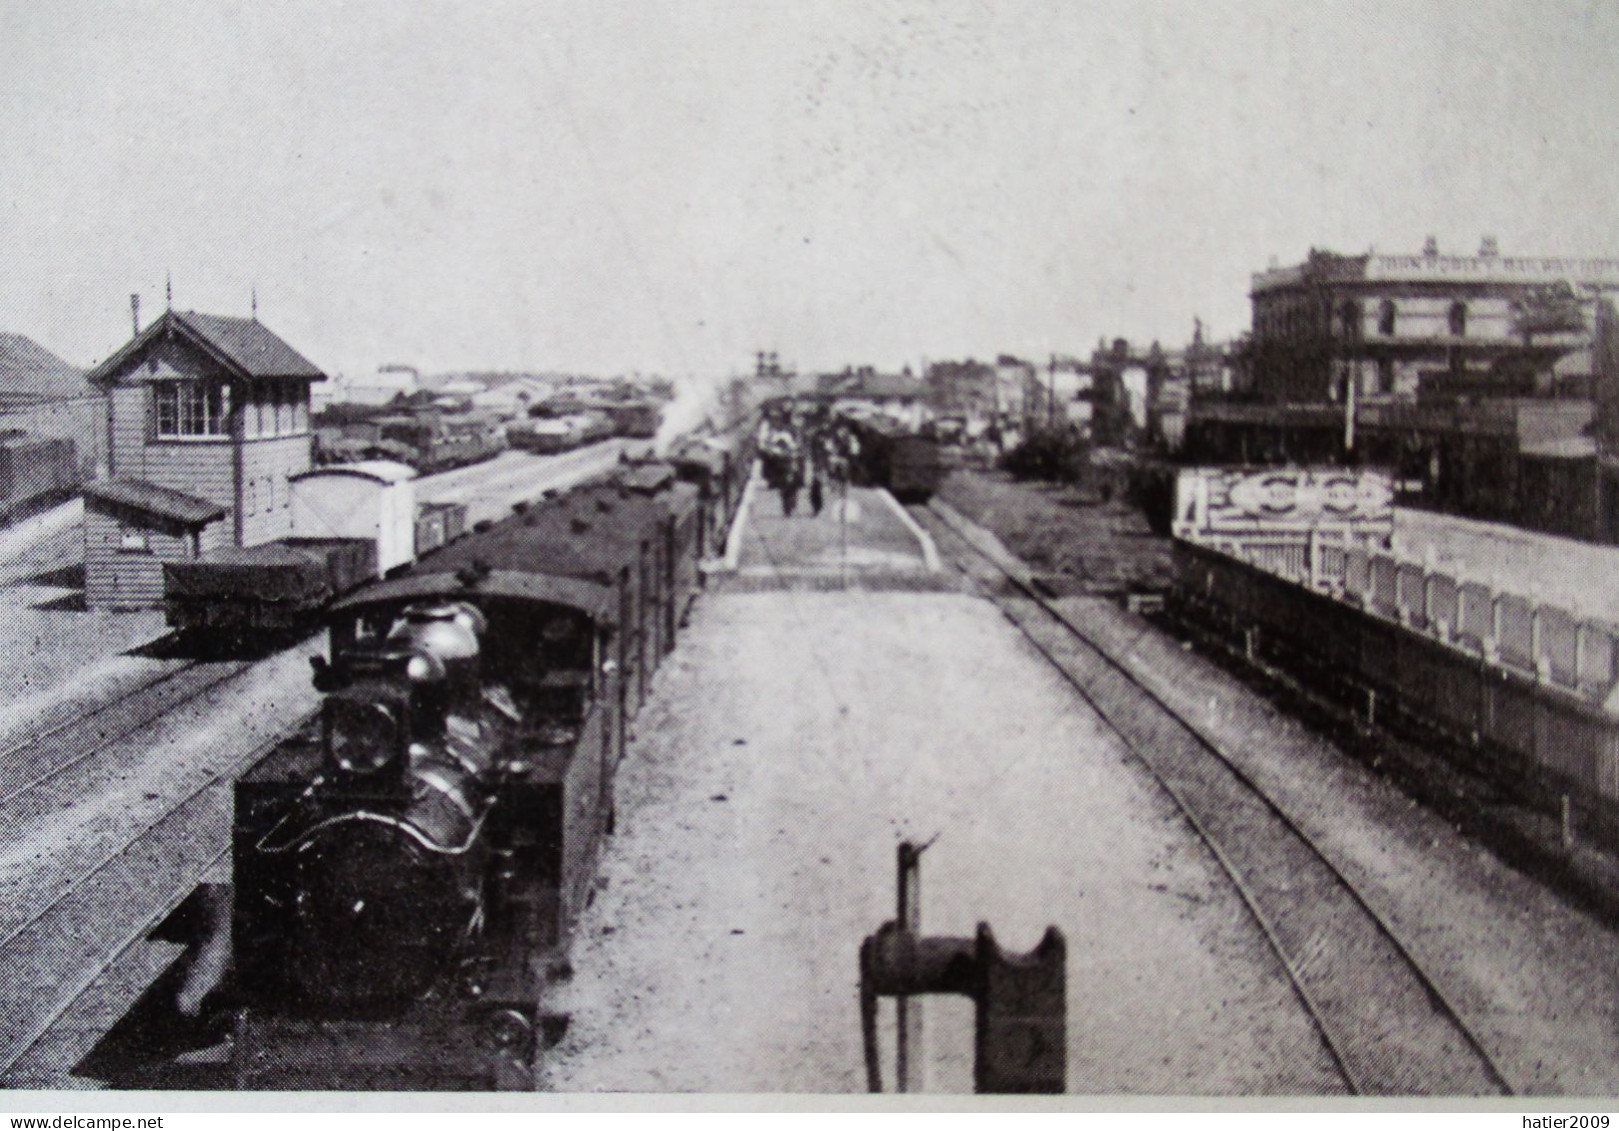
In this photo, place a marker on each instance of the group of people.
(795, 456)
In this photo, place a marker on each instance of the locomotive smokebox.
(383, 897)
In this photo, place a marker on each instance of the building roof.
(1435, 268)
(870, 385)
(245, 346)
(29, 369)
(149, 498)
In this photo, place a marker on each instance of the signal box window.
(1385, 317)
(189, 409)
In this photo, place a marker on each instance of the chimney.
(1430, 247)
(1488, 248)
(135, 313)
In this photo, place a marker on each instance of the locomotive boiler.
(372, 878)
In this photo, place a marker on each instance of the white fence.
(1512, 630)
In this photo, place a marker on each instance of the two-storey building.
(1419, 327)
(207, 420)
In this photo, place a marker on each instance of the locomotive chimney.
(135, 312)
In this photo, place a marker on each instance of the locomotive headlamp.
(363, 737)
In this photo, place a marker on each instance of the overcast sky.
(667, 187)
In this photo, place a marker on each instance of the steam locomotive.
(407, 867)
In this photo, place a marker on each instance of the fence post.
(1430, 566)
(1579, 653)
(1541, 663)
(1492, 642)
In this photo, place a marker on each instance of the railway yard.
(1248, 909)
(115, 777)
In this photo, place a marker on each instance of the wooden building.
(207, 422)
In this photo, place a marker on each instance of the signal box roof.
(243, 347)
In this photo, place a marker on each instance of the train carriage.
(891, 456)
(714, 468)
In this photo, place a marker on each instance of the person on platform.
(791, 481)
(816, 499)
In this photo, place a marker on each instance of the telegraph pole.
(1051, 395)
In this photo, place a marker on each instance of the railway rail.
(1385, 1020)
(111, 863)
(28, 766)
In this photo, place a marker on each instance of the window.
(191, 408)
(134, 541)
(1385, 375)
(1349, 318)
(280, 408)
(1458, 319)
(1385, 317)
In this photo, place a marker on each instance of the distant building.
(1419, 327)
(208, 418)
(514, 397)
(49, 398)
(381, 387)
(899, 395)
(29, 373)
(772, 381)
(1015, 386)
(962, 388)
(1120, 389)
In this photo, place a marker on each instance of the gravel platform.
(793, 739)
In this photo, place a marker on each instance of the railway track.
(30, 766)
(1384, 1020)
(103, 839)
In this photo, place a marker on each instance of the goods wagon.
(273, 587)
(35, 470)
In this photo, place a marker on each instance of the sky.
(605, 186)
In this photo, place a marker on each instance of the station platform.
(823, 707)
(861, 538)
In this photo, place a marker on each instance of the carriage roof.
(591, 598)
